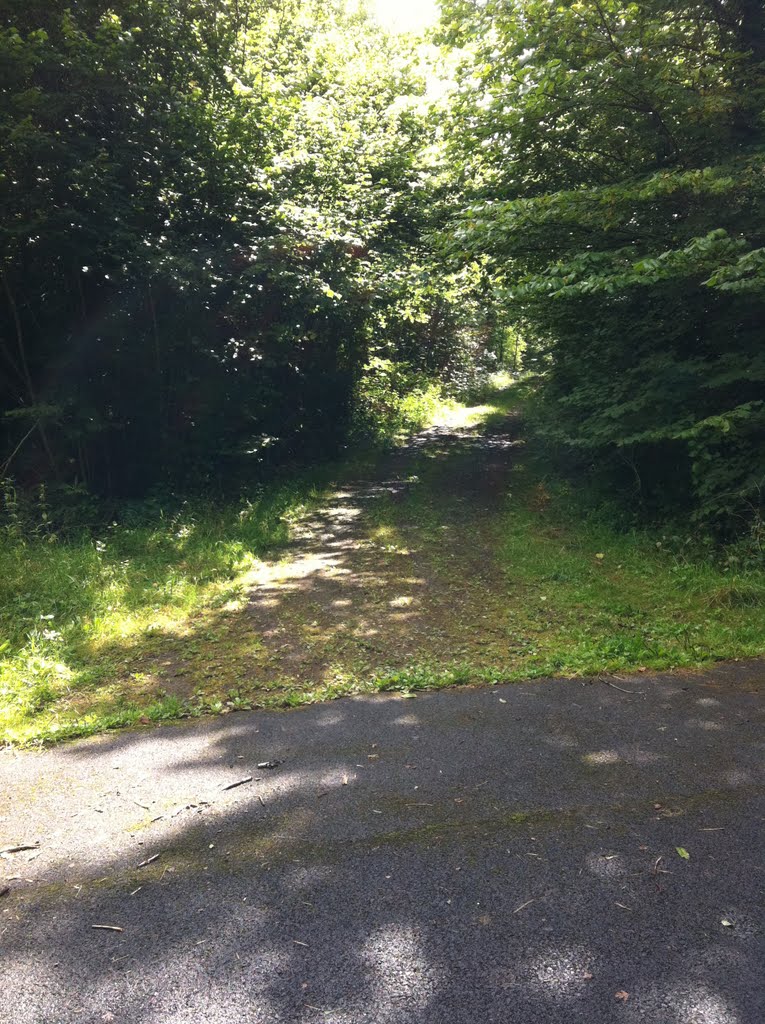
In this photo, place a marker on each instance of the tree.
(612, 171)
(203, 206)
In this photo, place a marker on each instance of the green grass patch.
(78, 618)
(596, 600)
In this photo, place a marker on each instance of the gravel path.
(492, 855)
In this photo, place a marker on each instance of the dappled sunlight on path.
(386, 571)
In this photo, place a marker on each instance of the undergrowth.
(393, 401)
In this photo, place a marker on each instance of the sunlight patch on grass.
(497, 402)
(77, 617)
(461, 417)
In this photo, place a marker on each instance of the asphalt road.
(501, 855)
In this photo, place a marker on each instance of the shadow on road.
(487, 855)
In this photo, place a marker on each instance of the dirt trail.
(481, 854)
(394, 569)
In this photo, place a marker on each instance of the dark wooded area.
(232, 230)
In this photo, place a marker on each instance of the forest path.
(444, 561)
(392, 571)
(578, 850)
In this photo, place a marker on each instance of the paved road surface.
(497, 855)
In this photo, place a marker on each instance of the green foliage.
(392, 400)
(202, 210)
(615, 167)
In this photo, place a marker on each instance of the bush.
(392, 400)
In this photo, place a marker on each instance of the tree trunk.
(25, 368)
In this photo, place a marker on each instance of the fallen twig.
(107, 927)
(657, 870)
(621, 688)
(524, 905)
(241, 782)
(149, 860)
(20, 848)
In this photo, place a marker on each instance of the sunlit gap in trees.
(405, 15)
